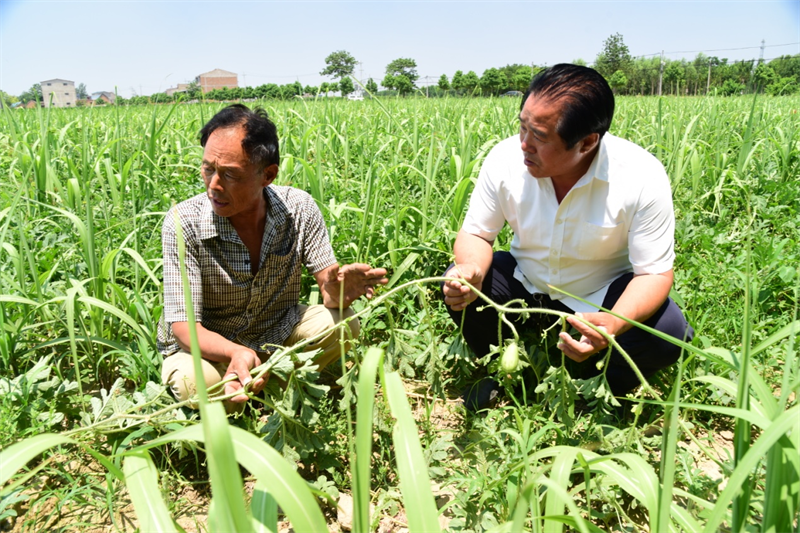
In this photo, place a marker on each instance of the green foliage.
(339, 65)
(34, 93)
(346, 86)
(618, 81)
(405, 67)
(492, 81)
(613, 57)
(444, 83)
(393, 178)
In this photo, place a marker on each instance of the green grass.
(81, 206)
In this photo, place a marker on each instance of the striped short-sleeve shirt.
(251, 310)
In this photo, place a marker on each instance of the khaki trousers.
(178, 368)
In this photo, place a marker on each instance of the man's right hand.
(242, 361)
(457, 295)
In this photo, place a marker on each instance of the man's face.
(233, 184)
(546, 155)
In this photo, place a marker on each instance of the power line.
(718, 49)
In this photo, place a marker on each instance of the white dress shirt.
(617, 218)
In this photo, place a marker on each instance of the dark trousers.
(648, 351)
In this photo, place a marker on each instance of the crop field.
(91, 441)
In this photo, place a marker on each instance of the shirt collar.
(212, 225)
(599, 168)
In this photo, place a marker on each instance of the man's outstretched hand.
(457, 295)
(349, 282)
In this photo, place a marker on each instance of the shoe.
(481, 395)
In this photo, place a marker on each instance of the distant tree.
(764, 76)
(6, 99)
(271, 90)
(580, 62)
(371, 86)
(732, 87)
(310, 89)
(288, 91)
(471, 82)
(339, 64)
(160, 98)
(674, 74)
(80, 92)
(458, 81)
(324, 88)
(492, 81)
(403, 84)
(403, 66)
(346, 86)
(618, 81)
(34, 93)
(615, 56)
(787, 66)
(444, 84)
(783, 86)
(193, 91)
(521, 78)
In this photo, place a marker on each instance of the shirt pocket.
(601, 242)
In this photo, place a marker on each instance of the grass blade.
(364, 436)
(415, 485)
(141, 478)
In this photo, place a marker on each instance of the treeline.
(626, 74)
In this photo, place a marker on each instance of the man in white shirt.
(591, 214)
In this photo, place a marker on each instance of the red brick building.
(217, 79)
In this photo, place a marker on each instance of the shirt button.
(554, 271)
(559, 221)
(554, 253)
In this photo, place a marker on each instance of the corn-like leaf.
(363, 449)
(755, 453)
(287, 487)
(141, 478)
(264, 509)
(16, 456)
(557, 500)
(415, 485)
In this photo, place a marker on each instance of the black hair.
(586, 98)
(260, 141)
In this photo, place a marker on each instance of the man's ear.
(589, 143)
(270, 173)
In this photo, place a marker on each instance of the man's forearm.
(213, 346)
(471, 249)
(643, 296)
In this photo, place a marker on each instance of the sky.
(143, 47)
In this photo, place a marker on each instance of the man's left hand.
(591, 342)
(349, 283)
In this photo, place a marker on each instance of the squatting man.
(591, 214)
(246, 243)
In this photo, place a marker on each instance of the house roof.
(218, 73)
(99, 94)
(57, 79)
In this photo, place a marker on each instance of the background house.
(179, 89)
(63, 93)
(217, 79)
(105, 96)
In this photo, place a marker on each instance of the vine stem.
(283, 351)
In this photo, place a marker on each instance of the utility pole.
(660, 72)
(708, 83)
(755, 65)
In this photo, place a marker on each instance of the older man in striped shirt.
(246, 243)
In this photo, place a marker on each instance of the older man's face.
(544, 151)
(233, 184)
